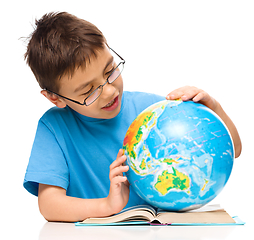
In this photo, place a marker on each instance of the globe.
(180, 155)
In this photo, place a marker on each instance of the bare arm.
(232, 129)
(55, 205)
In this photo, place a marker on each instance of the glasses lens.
(116, 73)
(93, 96)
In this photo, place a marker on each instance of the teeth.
(110, 104)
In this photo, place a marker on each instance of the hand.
(119, 186)
(195, 94)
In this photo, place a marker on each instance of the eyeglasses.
(97, 92)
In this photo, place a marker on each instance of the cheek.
(88, 111)
(119, 83)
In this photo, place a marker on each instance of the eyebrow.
(82, 86)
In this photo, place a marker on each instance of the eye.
(109, 72)
(89, 91)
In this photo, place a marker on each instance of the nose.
(108, 90)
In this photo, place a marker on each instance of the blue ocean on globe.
(180, 155)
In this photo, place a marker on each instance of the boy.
(76, 168)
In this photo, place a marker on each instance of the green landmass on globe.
(180, 155)
(175, 180)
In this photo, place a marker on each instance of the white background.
(166, 45)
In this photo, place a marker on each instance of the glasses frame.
(101, 86)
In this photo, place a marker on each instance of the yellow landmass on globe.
(143, 164)
(169, 161)
(176, 180)
(203, 188)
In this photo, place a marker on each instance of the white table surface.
(62, 231)
(66, 231)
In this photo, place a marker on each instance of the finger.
(117, 183)
(121, 157)
(190, 93)
(205, 99)
(118, 179)
(120, 153)
(177, 93)
(200, 96)
(119, 161)
(118, 171)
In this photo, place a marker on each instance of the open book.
(145, 214)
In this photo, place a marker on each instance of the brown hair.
(59, 45)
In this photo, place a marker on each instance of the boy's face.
(85, 81)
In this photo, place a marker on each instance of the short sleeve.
(47, 164)
(143, 100)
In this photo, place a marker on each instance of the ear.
(54, 99)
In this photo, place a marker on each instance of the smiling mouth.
(111, 105)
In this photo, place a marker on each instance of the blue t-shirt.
(74, 152)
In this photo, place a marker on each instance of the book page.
(217, 217)
(208, 208)
(205, 208)
(137, 213)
